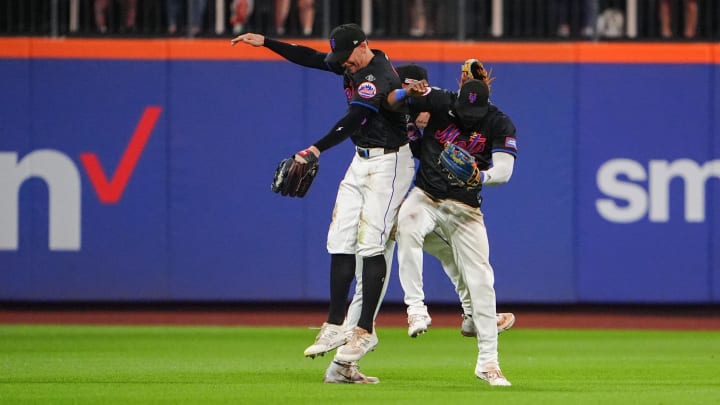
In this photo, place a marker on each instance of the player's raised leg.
(416, 220)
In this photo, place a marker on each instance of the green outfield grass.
(237, 365)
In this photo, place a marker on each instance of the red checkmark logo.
(109, 191)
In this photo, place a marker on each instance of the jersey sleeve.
(302, 55)
(419, 104)
(349, 123)
(505, 139)
(437, 100)
(369, 92)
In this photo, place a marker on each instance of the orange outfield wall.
(420, 51)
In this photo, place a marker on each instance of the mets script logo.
(475, 143)
(367, 90)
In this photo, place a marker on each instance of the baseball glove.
(293, 178)
(460, 166)
(474, 69)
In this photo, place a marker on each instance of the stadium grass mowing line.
(251, 365)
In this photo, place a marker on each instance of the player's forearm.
(501, 171)
(301, 55)
(346, 126)
(396, 99)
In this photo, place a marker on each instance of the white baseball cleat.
(347, 373)
(505, 321)
(418, 324)
(493, 377)
(329, 338)
(359, 345)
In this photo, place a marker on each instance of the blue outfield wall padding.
(614, 197)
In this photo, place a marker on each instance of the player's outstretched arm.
(301, 55)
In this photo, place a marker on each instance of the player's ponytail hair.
(474, 69)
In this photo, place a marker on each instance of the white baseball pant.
(368, 201)
(465, 230)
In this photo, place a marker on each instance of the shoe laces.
(360, 338)
(353, 373)
(494, 374)
(344, 369)
(327, 333)
(354, 368)
(417, 318)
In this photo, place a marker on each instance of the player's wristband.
(400, 94)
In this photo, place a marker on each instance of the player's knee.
(371, 250)
(409, 234)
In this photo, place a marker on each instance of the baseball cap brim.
(338, 56)
(411, 73)
(472, 112)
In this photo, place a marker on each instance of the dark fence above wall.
(393, 19)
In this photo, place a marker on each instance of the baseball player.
(435, 243)
(369, 195)
(438, 202)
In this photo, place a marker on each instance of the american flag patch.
(510, 143)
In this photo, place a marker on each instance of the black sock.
(342, 273)
(373, 278)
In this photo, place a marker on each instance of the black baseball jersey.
(494, 133)
(369, 87)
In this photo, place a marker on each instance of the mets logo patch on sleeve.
(510, 143)
(366, 90)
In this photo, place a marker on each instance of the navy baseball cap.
(473, 101)
(411, 73)
(343, 41)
